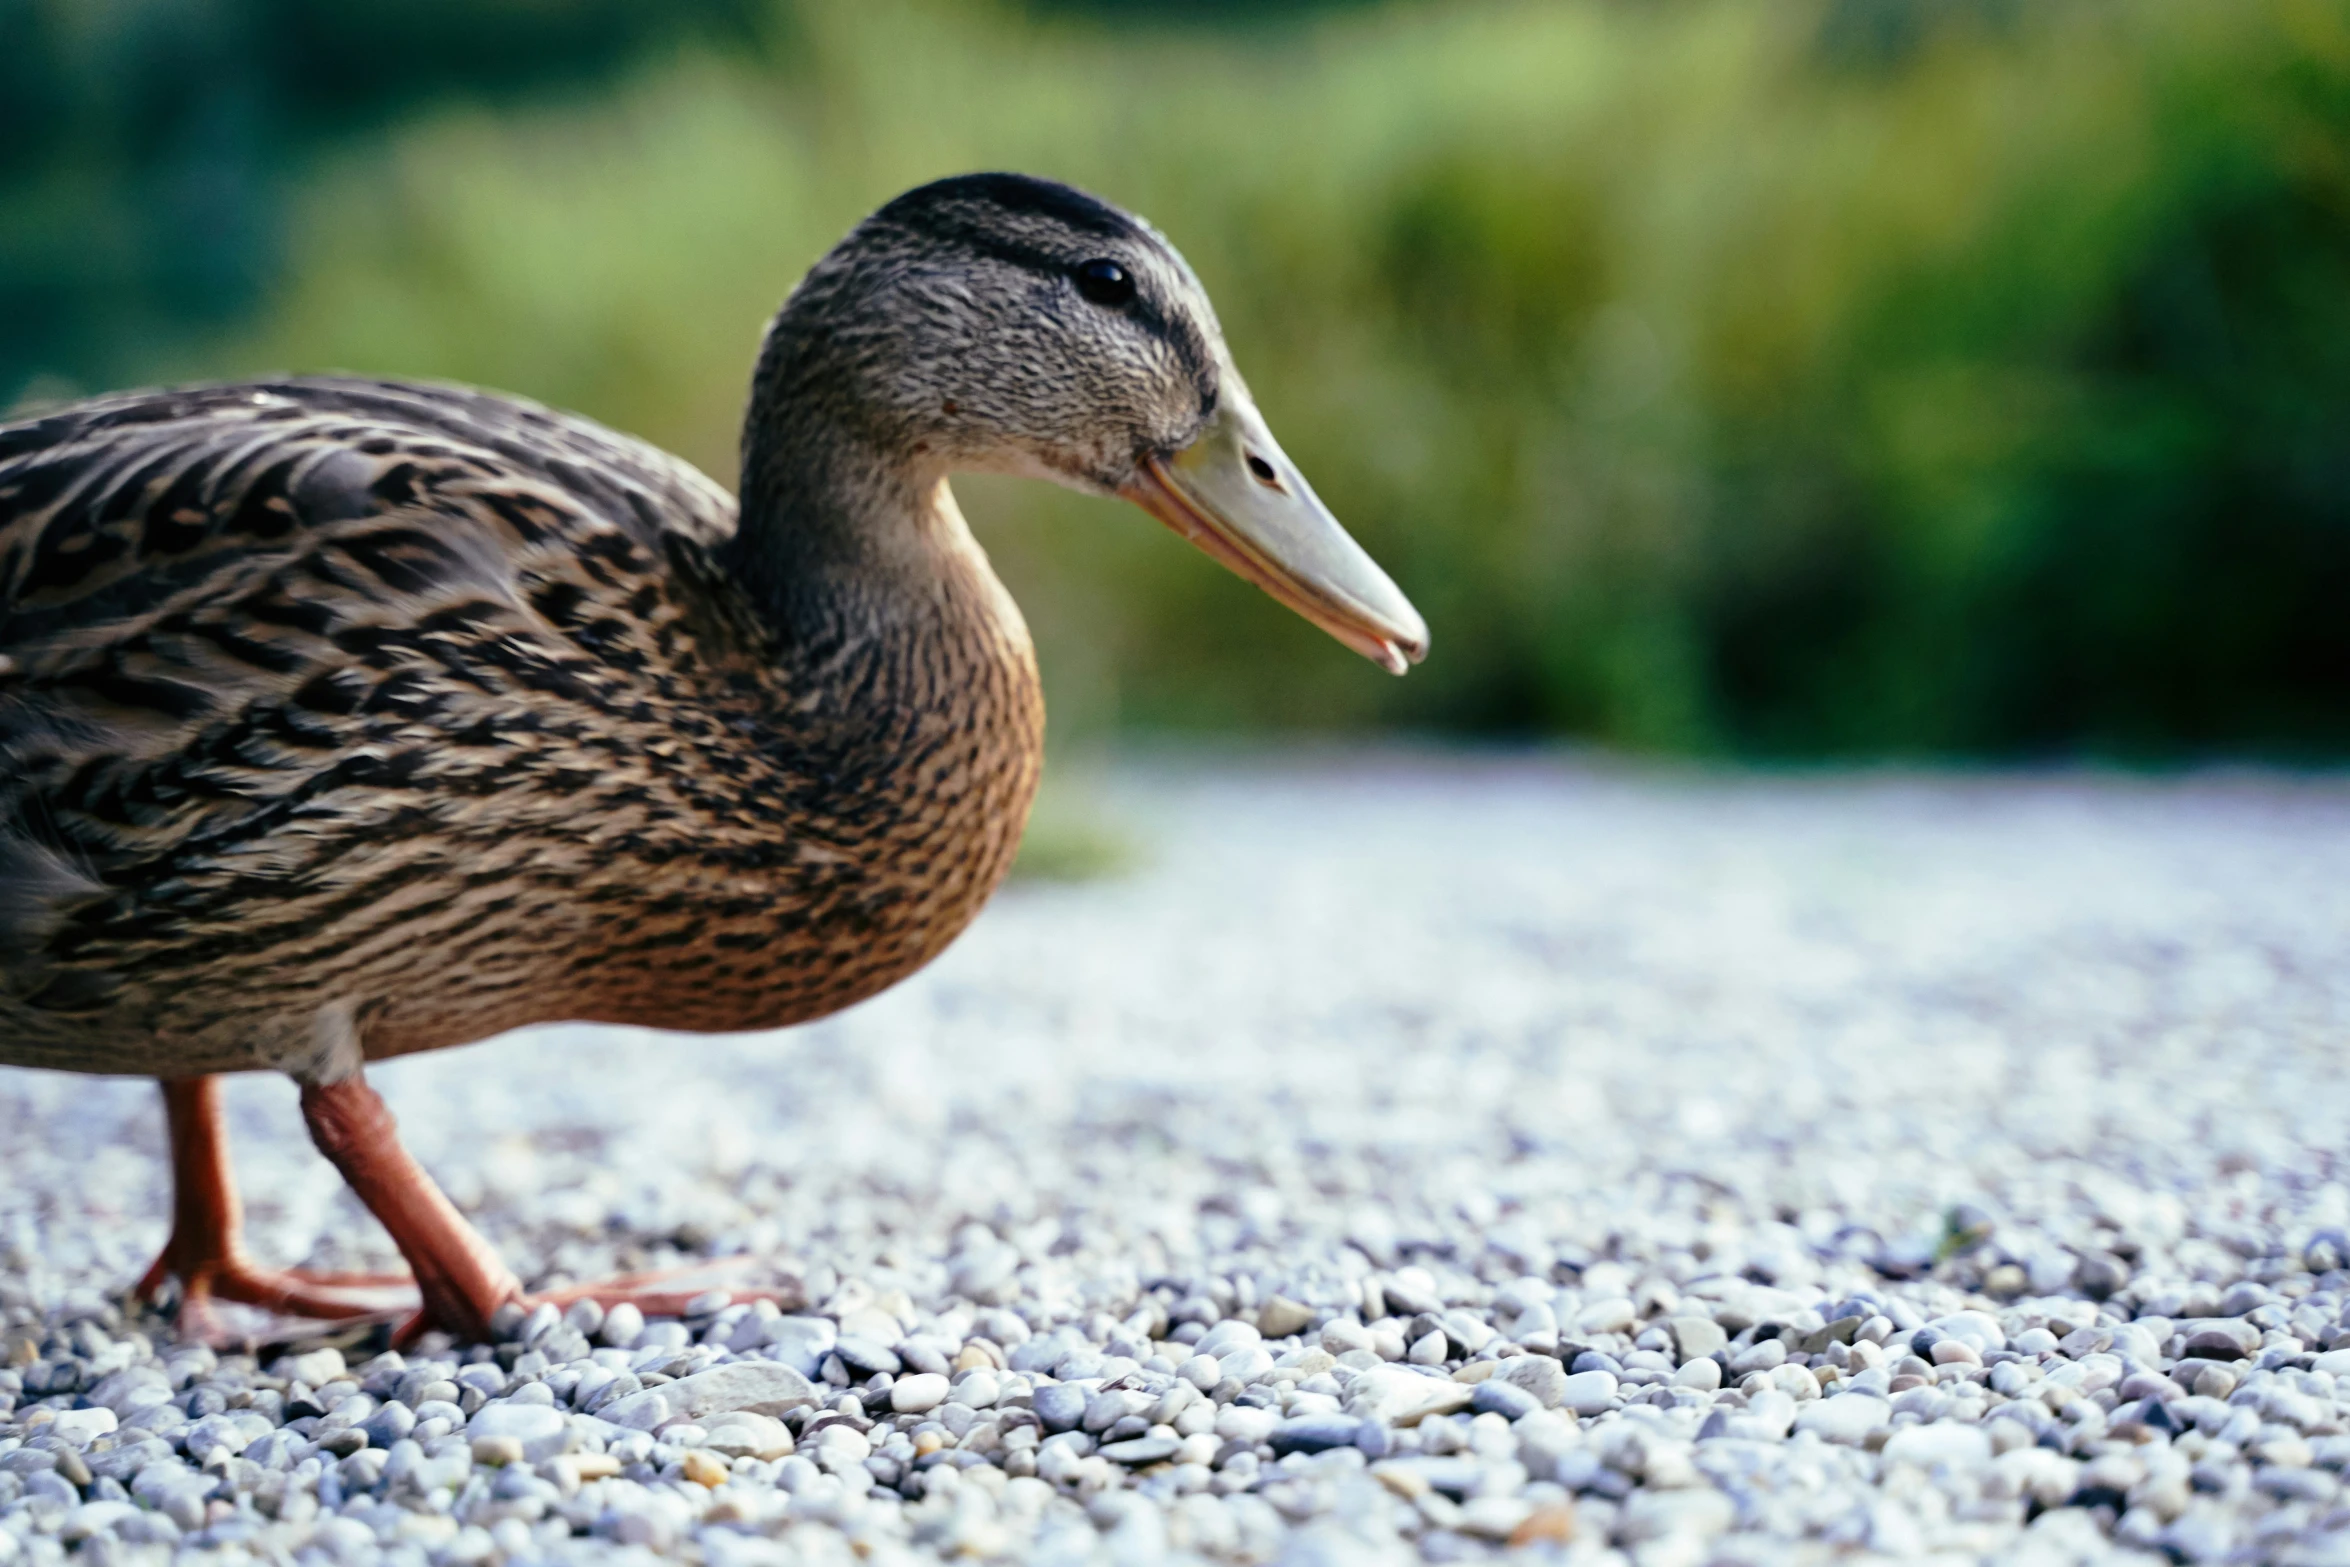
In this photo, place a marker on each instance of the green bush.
(1720, 376)
(146, 145)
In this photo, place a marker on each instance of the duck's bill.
(1236, 495)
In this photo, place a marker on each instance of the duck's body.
(465, 686)
(341, 719)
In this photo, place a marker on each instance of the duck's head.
(994, 322)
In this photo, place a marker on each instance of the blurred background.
(1750, 378)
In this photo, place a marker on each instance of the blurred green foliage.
(1747, 376)
(146, 145)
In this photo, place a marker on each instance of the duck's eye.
(1104, 282)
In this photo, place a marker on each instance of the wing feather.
(201, 588)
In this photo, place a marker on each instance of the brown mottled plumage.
(344, 718)
(438, 684)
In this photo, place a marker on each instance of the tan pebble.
(972, 1358)
(1281, 1316)
(594, 1466)
(1476, 1371)
(1545, 1523)
(740, 1434)
(704, 1468)
(2214, 1382)
(2284, 1452)
(497, 1451)
(927, 1442)
(2006, 1281)
(1956, 1352)
(1404, 1480)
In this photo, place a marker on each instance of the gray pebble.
(1060, 1407)
(1314, 1434)
(1538, 1375)
(1141, 1450)
(389, 1424)
(863, 1355)
(1497, 1397)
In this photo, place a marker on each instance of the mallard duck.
(345, 718)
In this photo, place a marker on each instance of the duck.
(344, 718)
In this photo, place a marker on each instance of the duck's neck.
(850, 544)
(849, 541)
(886, 751)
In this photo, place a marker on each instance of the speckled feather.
(421, 713)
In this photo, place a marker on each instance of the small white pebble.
(918, 1394)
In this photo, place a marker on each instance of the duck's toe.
(670, 1292)
(231, 1303)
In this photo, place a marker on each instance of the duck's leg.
(459, 1276)
(206, 1251)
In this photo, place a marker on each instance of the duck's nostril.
(1264, 472)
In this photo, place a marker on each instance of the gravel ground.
(1421, 1158)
